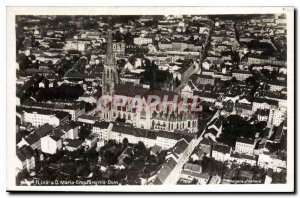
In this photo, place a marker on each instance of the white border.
(11, 90)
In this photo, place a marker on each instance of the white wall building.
(244, 145)
(50, 144)
(271, 161)
(142, 40)
(221, 152)
(38, 117)
(276, 116)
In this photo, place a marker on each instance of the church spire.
(109, 60)
(110, 75)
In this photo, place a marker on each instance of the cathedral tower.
(110, 76)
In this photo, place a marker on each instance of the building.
(244, 110)
(92, 140)
(276, 116)
(194, 171)
(187, 90)
(87, 119)
(73, 145)
(142, 40)
(51, 144)
(70, 129)
(264, 61)
(241, 75)
(212, 134)
(170, 171)
(205, 79)
(269, 176)
(273, 161)
(75, 45)
(150, 138)
(263, 103)
(34, 138)
(216, 124)
(25, 158)
(244, 145)
(207, 97)
(277, 85)
(75, 110)
(152, 116)
(216, 179)
(185, 71)
(119, 48)
(263, 115)
(241, 158)
(39, 117)
(102, 129)
(221, 152)
(206, 146)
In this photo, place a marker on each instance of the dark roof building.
(222, 148)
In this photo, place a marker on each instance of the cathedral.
(150, 117)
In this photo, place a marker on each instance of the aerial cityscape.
(151, 99)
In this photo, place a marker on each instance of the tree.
(125, 141)
(233, 127)
(195, 181)
(140, 150)
(279, 178)
(211, 166)
(92, 156)
(110, 157)
(252, 81)
(24, 174)
(120, 120)
(89, 24)
(117, 36)
(24, 62)
(97, 174)
(233, 80)
(259, 126)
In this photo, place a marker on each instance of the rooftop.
(245, 141)
(222, 148)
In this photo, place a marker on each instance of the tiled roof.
(195, 174)
(192, 167)
(165, 171)
(221, 148)
(213, 131)
(101, 124)
(55, 138)
(243, 106)
(245, 141)
(145, 133)
(50, 105)
(58, 114)
(242, 156)
(180, 147)
(25, 152)
(206, 94)
(263, 112)
(44, 130)
(32, 138)
(207, 141)
(74, 143)
(129, 90)
(264, 100)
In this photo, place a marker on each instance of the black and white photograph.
(150, 99)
